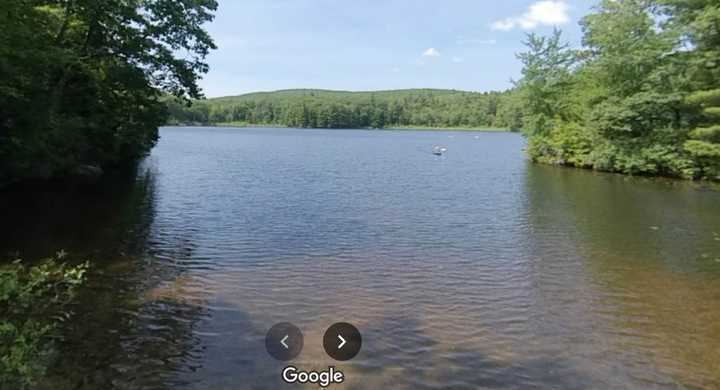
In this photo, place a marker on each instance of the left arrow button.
(284, 341)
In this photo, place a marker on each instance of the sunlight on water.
(471, 269)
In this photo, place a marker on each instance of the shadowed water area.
(471, 269)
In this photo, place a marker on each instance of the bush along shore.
(34, 301)
(641, 97)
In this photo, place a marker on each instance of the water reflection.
(642, 255)
(133, 324)
(475, 270)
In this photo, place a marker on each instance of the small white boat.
(439, 150)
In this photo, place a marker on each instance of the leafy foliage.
(33, 302)
(641, 97)
(80, 80)
(546, 76)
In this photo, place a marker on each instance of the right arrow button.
(342, 341)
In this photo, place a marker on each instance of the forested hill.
(315, 108)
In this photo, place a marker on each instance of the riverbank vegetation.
(311, 108)
(81, 80)
(413, 128)
(34, 301)
(641, 96)
(85, 84)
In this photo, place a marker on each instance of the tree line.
(641, 96)
(87, 83)
(82, 81)
(339, 109)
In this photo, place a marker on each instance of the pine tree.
(705, 141)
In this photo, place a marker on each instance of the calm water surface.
(475, 269)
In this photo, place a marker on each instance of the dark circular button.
(342, 341)
(284, 341)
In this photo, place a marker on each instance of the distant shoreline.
(396, 128)
(469, 129)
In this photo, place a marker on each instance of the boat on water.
(439, 150)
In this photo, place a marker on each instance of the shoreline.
(488, 129)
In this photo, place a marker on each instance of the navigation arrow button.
(284, 341)
(349, 343)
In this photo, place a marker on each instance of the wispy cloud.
(541, 13)
(431, 52)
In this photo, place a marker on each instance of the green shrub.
(33, 301)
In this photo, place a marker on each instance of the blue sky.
(266, 45)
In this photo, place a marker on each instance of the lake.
(472, 269)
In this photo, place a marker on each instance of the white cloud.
(541, 13)
(457, 60)
(431, 52)
(504, 25)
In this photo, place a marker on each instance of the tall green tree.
(643, 97)
(548, 114)
(81, 81)
(698, 25)
(547, 71)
